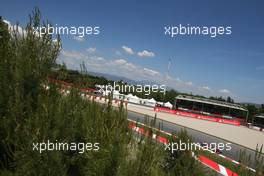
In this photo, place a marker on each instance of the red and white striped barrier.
(204, 160)
(197, 116)
(143, 132)
(217, 167)
(236, 162)
(229, 159)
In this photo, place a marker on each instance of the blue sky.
(228, 65)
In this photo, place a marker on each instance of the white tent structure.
(128, 96)
(168, 105)
(160, 103)
(132, 99)
(152, 100)
(149, 102)
(118, 96)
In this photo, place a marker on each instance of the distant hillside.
(253, 104)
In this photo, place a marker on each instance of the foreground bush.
(30, 113)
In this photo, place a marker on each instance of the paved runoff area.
(235, 134)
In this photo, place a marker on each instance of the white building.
(149, 102)
(132, 99)
(118, 96)
(168, 105)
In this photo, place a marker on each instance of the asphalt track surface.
(196, 136)
(138, 113)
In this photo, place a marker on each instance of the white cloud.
(119, 66)
(95, 59)
(120, 61)
(15, 27)
(128, 50)
(73, 60)
(150, 72)
(225, 91)
(189, 83)
(130, 66)
(206, 88)
(73, 54)
(7, 22)
(91, 50)
(146, 53)
(122, 67)
(79, 38)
